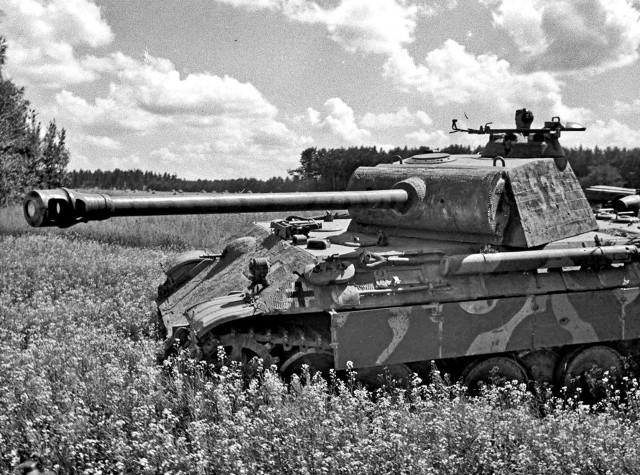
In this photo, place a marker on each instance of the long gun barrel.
(63, 208)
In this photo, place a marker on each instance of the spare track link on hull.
(285, 346)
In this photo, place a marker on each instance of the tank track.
(278, 341)
(287, 343)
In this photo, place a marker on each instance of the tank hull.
(408, 311)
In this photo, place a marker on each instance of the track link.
(278, 342)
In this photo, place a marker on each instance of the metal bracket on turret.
(294, 227)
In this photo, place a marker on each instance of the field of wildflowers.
(81, 390)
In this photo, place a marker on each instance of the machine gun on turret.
(554, 126)
(523, 141)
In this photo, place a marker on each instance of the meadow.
(81, 389)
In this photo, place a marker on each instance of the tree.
(14, 144)
(54, 158)
(26, 158)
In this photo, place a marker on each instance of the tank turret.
(474, 261)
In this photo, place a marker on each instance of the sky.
(239, 88)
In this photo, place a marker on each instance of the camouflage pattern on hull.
(482, 327)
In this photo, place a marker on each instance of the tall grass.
(81, 390)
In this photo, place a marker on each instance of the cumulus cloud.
(435, 139)
(523, 20)
(401, 118)
(602, 133)
(371, 26)
(149, 97)
(451, 74)
(434, 7)
(586, 36)
(165, 155)
(43, 37)
(312, 116)
(104, 114)
(339, 119)
(156, 86)
(253, 5)
(145, 94)
(102, 141)
(223, 157)
(627, 107)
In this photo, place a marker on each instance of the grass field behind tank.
(81, 390)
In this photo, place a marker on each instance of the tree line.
(151, 181)
(320, 169)
(329, 169)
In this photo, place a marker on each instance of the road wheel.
(319, 361)
(584, 368)
(495, 370)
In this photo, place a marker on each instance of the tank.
(485, 263)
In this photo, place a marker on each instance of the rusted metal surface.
(551, 205)
(446, 208)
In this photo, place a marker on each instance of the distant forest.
(320, 170)
(330, 169)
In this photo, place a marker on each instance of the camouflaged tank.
(474, 261)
